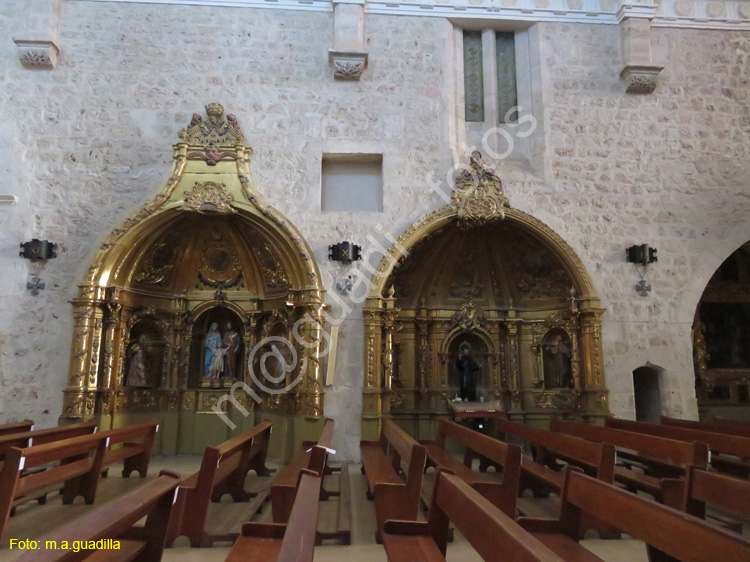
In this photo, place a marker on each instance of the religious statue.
(557, 370)
(231, 341)
(137, 363)
(469, 372)
(215, 352)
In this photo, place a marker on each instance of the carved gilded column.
(85, 355)
(424, 372)
(389, 320)
(371, 406)
(514, 365)
(250, 340)
(310, 332)
(591, 350)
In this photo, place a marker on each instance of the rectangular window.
(505, 53)
(473, 79)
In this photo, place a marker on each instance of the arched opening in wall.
(647, 393)
(502, 300)
(721, 332)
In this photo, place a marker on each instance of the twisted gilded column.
(310, 331)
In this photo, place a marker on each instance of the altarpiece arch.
(480, 272)
(177, 298)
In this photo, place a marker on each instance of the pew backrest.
(26, 439)
(113, 519)
(572, 448)
(718, 425)
(673, 532)
(717, 442)
(17, 427)
(681, 452)
(405, 449)
(727, 494)
(493, 534)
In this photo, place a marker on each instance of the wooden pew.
(223, 471)
(669, 534)
(116, 520)
(80, 463)
(657, 453)
(381, 463)
(494, 535)
(136, 442)
(500, 489)
(727, 497)
(310, 455)
(536, 474)
(290, 542)
(717, 425)
(313, 456)
(728, 453)
(24, 439)
(16, 427)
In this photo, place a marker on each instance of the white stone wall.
(85, 144)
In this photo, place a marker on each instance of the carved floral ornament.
(478, 194)
(209, 196)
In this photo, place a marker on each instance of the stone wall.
(85, 144)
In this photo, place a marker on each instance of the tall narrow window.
(473, 81)
(506, 76)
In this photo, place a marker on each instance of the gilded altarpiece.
(178, 301)
(482, 276)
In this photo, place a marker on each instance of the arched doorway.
(721, 331)
(176, 300)
(647, 393)
(481, 273)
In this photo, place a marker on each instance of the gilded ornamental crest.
(478, 194)
(216, 131)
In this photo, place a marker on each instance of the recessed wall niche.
(352, 182)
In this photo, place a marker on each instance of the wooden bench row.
(75, 464)
(313, 456)
(669, 534)
(223, 471)
(115, 521)
(660, 457)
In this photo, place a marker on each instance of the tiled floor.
(32, 521)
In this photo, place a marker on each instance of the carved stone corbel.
(640, 79)
(348, 57)
(37, 54)
(347, 65)
(639, 71)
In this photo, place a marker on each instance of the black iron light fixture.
(345, 252)
(641, 255)
(38, 250)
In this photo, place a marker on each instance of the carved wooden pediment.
(478, 194)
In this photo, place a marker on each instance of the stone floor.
(32, 521)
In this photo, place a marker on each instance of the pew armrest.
(264, 530)
(538, 525)
(410, 528)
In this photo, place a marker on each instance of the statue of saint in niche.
(231, 341)
(557, 370)
(137, 363)
(468, 371)
(215, 353)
